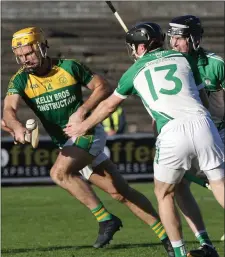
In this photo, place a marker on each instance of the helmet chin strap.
(43, 54)
(195, 45)
(141, 55)
(138, 56)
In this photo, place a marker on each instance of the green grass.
(46, 221)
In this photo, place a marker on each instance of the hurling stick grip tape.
(109, 3)
(111, 6)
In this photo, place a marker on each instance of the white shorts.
(200, 173)
(94, 145)
(184, 143)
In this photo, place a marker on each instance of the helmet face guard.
(132, 51)
(189, 27)
(34, 38)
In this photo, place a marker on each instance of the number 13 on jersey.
(171, 68)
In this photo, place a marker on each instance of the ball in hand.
(31, 124)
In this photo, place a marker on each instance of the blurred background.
(89, 32)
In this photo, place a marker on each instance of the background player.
(185, 35)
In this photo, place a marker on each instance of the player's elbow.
(107, 89)
(8, 112)
(103, 86)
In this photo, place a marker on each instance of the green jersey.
(55, 96)
(211, 68)
(167, 83)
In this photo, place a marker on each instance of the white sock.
(179, 247)
(177, 243)
(198, 233)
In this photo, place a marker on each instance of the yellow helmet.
(28, 36)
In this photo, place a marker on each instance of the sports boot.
(203, 251)
(107, 229)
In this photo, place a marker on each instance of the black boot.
(107, 229)
(168, 246)
(203, 251)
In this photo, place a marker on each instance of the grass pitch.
(46, 221)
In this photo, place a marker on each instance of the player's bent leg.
(76, 154)
(108, 228)
(107, 177)
(192, 214)
(189, 206)
(65, 174)
(165, 196)
(165, 180)
(216, 180)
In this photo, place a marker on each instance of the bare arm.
(204, 98)
(100, 91)
(102, 111)
(11, 104)
(6, 129)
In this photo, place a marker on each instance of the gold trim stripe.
(98, 212)
(102, 216)
(156, 226)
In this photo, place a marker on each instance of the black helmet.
(148, 33)
(145, 33)
(187, 26)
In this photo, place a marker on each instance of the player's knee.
(161, 193)
(58, 175)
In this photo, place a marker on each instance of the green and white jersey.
(55, 96)
(167, 83)
(211, 68)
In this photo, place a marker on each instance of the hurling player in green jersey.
(171, 89)
(52, 88)
(185, 35)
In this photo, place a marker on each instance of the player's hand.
(75, 130)
(19, 134)
(78, 116)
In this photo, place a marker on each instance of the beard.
(31, 70)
